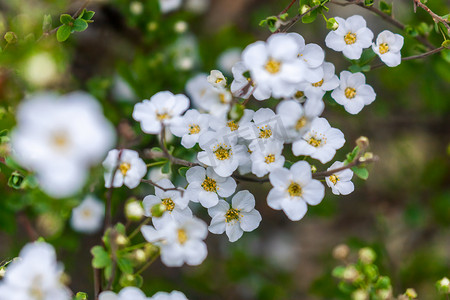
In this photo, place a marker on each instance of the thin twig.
(287, 7)
(295, 19)
(138, 229)
(147, 264)
(174, 160)
(22, 218)
(97, 282)
(163, 188)
(436, 18)
(354, 163)
(418, 56)
(112, 238)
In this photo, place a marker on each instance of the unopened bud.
(127, 280)
(384, 294)
(10, 37)
(136, 7)
(367, 255)
(411, 293)
(341, 252)
(152, 26)
(350, 273)
(217, 79)
(134, 210)
(362, 142)
(444, 285)
(158, 210)
(360, 295)
(121, 240)
(313, 169)
(2, 272)
(181, 26)
(332, 24)
(139, 256)
(151, 250)
(81, 296)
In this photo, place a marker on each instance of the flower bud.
(2, 272)
(10, 37)
(362, 142)
(367, 255)
(121, 240)
(180, 27)
(360, 295)
(411, 294)
(134, 210)
(444, 285)
(16, 180)
(152, 26)
(158, 210)
(313, 169)
(151, 250)
(332, 24)
(350, 273)
(217, 79)
(139, 256)
(136, 8)
(341, 252)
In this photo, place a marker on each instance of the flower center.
(218, 80)
(162, 117)
(168, 203)
(124, 167)
(317, 84)
(350, 93)
(350, 38)
(269, 159)
(232, 215)
(182, 236)
(294, 189)
(194, 129)
(264, 132)
(314, 142)
(222, 99)
(209, 184)
(383, 48)
(300, 123)
(232, 125)
(299, 94)
(86, 213)
(35, 290)
(273, 66)
(223, 152)
(60, 141)
(334, 179)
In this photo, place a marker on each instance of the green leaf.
(63, 33)
(101, 257)
(182, 171)
(88, 14)
(351, 156)
(166, 168)
(383, 283)
(47, 23)
(120, 228)
(80, 25)
(81, 296)
(368, 2)
(385, 7)
(10, 37)
(361, 172)
(355, 68)
(125, 265)
(66, 19)
(338, 272)
(411, 31)
(283, 16)
(16, 180)
(310, 17)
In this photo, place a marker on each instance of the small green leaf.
(361, 172)
(16, 180)
(10, 37)
(63, 33)
(88, 15)
(383, 283)
(355, 68)
(182, 171)
(80, 25)
(125, 265)
(283, 16)
(120, 228)
(368, 2)
(365, 68)
(385, 7)
(101, 257)
(166, 168)
(81, 296)
(411, 31)
(66, 19)
(351, 156)
(338, 272)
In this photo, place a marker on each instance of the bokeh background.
(132, 51)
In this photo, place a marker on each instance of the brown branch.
(356, 162)
(174, 160)
(97, 282)
(162, 188)
(23, 219)
(294, 20)
(436, 18)
(418, 56)
(287, 7)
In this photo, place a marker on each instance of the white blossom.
(181, 241)
(230, 127)
(228, 59)
(176, 204)
(266, 127)
(160, 109)
(127, 293)
(351, 37)
(216, 79)
(169, 5)
(388, 48)
(353, 92)
(293, 189)
(340, 182)
(243, 86)
(128, 166)
(320, 142)
(60, 137)
(328, 82)
(36, 275)
(88, 216)
(190, 127)
(236, 218)
(205, 186)
(174, 295)
(266, 158)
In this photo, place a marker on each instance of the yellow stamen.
(194, 129)
(232, 125)
(350, 93)
(223, 153)
(301, 123)
(317, 84)
(209, 184)
(299, 94)
(294, 189)
(219, 80)
(124, 167)
(334, 179)
(314, 142)
(168, 203)
(60, 140)
(222, 99)
(350, 38)
(383, 48)
(273, 66)
(182, 236)
(163, 116)
(264, 132)
(269, 159)
(232, 215)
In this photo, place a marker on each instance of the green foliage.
(70, 25)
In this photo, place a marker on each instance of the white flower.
(353, 92)
(160, 109)
(181, 241)
(243, 87)
(328, 82)
(204, 96)
(128, 166)
(221, 152)
(169, 5)
(297, 118)
(197, 6)
(36, 275)
(205, 186)
(175, 203)
(190, 127)
(274, 65)
(174, 295)
(127, 293)
(266, 158)
(60, 137)
(351, 37)
(216, 79)
(266, 127)
(320, 142)
(228, 59)
(235, 219)
(88, 216)
(293, 189)
(340, 182)
(388, 48)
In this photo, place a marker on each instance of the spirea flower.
(221, 152)
(340, 182)
(169, 5)
(36, 275)
(216, 79)
(266, 127)
(181, 241)
(353, 92)
(230, 127)
(205, 186)
(127, 293)
(174, 295)
(274, 65)
(328, 82)
(60, 137)
(320, 142)
(293, 189)
(236, 218)
(176, 204)
(160, 109)
(266, 158)
(388, 48)
(190, 127)
(351, 37)
(243, 86)
(88, 216)
(128, 166)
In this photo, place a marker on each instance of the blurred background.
(132, 51)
